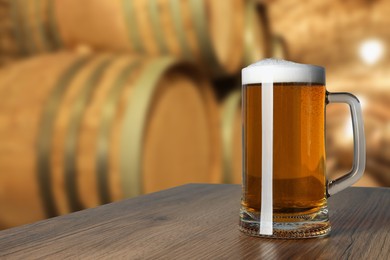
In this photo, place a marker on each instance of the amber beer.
(298, 149)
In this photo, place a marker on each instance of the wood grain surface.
(199, 221)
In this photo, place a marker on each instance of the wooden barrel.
(207, 31)
(256, 32)
(37, 25)
(27, 28)
(231, 138)
(100, 128)
(8, 42)
(27, 87)
(376, 115)
(33, 40)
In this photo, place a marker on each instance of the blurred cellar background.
(104, 100)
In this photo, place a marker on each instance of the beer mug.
(285, 188)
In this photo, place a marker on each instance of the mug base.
(288, 227)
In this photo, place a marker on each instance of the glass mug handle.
(359, 143)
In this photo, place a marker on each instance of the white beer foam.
(279, 71)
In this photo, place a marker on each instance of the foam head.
(282, 71)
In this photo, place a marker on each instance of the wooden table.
(199, 221)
